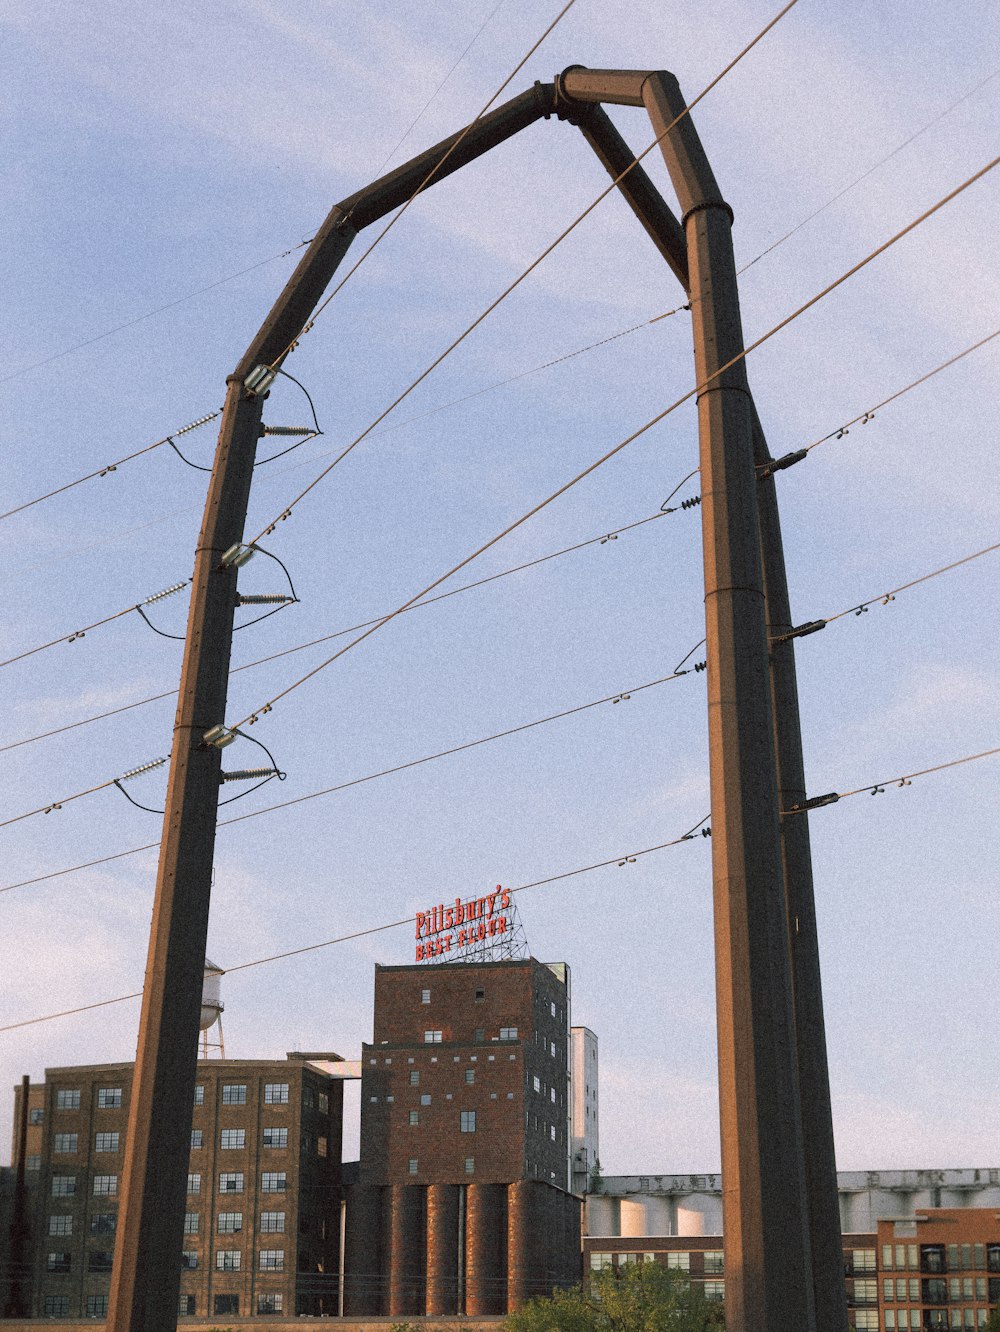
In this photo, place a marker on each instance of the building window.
(185, 1305)
(226, 1304)
(866, 1290)
(36, 1116)
(272, 1260)
(716, 1290)
(234, 1093)
(470, 1165)
(425, 996)
(552, 1132)
(100, 1260)
(679, 1262)
(231, 1181)
(109, 1098)
(60, 1225)
(552, 1049)
(432, 1037)
(599, 1261)
(190, 1223)
(189, 1260)
(508, 1033)
(863, 1260)
(536, 1084)
(467, 1121)
(233, 1139)
(58, 1262)
(425, 1098)
(197, 1139)
(866, 1320)
(228, 1260)
(32, 1163)
(194, 1183)
(414, 1117)
(470, 1075)
(96, 1306)
(552, 1095)
(480, 1035)
(414, 1078)
(65, 1142)
(67, 1100)
(106, 1142)
(57, 1306)
(714, 1262)
(272, 1223)
(103, 1223)
(273, 1181)
(276, 1137)
(270, 1301)
(480, 996)
(105, 1186)
(63, 1186)
(230, 1223)
(412, 1165)
(199, 1095)
(552, 1009)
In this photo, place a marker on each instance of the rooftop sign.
(479, 929)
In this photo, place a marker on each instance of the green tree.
(638, 1297)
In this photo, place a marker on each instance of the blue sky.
(150, 153)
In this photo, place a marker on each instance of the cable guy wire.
(629, 857)
(619, 697)
(622, 444)
(286, 512)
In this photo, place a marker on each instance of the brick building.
(937, 1269)
(264, 1186)
(463, 1203)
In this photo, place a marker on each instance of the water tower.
(212, 1009)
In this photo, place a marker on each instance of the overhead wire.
(618, 697)
(601, 540)
(535, 369)
(629, 858)
(286, 512)
(622, 444)
(633, 328)
(423, 184)
(109, 467)
(890, 595)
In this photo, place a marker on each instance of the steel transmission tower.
(782, 1228)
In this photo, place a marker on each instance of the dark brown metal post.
(810, 1031)
(768, 1250)
(146, 1278)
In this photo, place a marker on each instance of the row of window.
(436, 1036)
(941, 1257)
(413, 1165)
(457, 1059)
(678, 1260)
(902, 1320)
(96, 1306)
(98, 1260)
(268, 1302)
(233, 1093)
(939, 1290)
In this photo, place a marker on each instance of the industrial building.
(463, 1203)
(262, 1225)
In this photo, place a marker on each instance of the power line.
(601, 540)
(872, 169)
(890, 595)
(423, 184)
(109, 467)
(879, 788)
(420, 114)
(286, 512)
(82, 633)
(621, 696)
(866, 416)
(621, 861)
(102, 786)
(611, 453)
(627, 859)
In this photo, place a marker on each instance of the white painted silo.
(699, 1214)
(600, 1214)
